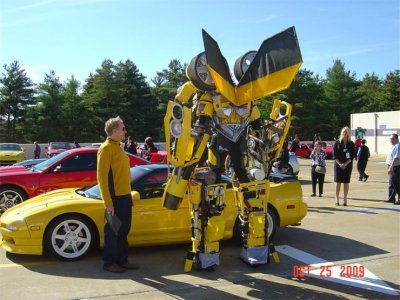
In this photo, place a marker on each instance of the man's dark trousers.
(394, 184)
(116, 248)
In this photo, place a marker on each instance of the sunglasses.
(122, 129)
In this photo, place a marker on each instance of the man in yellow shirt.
(113, 176)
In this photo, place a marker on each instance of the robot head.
(197, 72)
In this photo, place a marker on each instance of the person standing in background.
(343, 153)
(362, 160)
(393, 162)
(36, 151)
(295, 143)
(317, 159)
(357, 143)
(114, 179)
(130, 146)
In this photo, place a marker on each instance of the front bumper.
(22, 246)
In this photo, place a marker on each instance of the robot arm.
(185, 142)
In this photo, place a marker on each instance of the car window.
(152, 186)
(60, 146)
(79, 162)
(10, 147)
(48, 162)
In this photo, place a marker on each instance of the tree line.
(70, 111)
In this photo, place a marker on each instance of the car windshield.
(60, 146)
(48, 162)
(10, 147)
(94, 191)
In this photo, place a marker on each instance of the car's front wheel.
(70, 237)
(10, 196)
(272, 226)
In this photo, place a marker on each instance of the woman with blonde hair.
(343, 152)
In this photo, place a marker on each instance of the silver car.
(294, 167)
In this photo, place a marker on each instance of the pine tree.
(16, 94)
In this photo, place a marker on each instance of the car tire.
(272, 219)
(70, 237)
(290, 170)
(242, 64)
(199, 74)
(10, 196)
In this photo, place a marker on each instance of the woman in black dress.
(343, 152)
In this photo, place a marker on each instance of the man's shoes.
(320, 195)
(389, 201)
(114, 269)
(365, 178)
(312, 195)
(130, 266)
(359, 179)
(396, 202)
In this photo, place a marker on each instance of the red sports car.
(55, 148)
(304, 150)
(328, 148)
(72, 168)
(154, 157)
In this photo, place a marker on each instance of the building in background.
(376, 128)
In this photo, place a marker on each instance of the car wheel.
(11, 196)
(272, 219)
(290, 170)
(198, 73)
(243, 63)
(70, 237)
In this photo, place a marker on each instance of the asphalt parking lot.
(338, 252)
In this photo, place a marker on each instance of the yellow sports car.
(69, 222)
(11, 153)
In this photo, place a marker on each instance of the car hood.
(47, 199)
(11, 153)
(14, 170)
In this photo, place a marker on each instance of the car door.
(77, 170)
(152, 223)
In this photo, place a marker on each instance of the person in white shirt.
(393, 162)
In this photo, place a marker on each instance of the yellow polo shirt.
(113, 171)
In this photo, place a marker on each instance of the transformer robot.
(227, 121)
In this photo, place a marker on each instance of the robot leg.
(254, 225)
(208, 225)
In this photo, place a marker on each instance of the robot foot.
(255, 255)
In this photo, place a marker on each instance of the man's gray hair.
(111, 124)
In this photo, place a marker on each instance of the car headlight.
(11, 227)
(21, 154)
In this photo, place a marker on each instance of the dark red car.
(71, 168)
(304, 150)
(328, 148)
(155, 157)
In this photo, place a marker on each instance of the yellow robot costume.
(229, 122)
